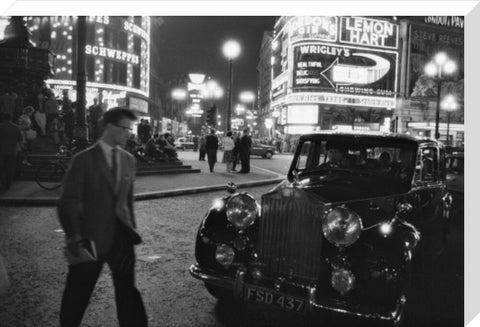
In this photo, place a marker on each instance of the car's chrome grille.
(290, 237)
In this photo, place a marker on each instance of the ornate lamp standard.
(439, 66)
(178, 95)
(231, 50)
(449, 104)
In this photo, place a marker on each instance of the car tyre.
(268, 155)
(219, 292)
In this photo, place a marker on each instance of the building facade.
(117, 58)
(264, 82)
(363, 73)
(422, 38)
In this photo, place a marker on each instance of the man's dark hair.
(114, 115)
(245, 130)
(229, 133)
(212, 131)
(166, 135)
(155, 135)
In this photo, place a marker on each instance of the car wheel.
(268, 155)
(218, 292)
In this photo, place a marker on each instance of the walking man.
(211, 146)
(97, 205)
(95, 115)
(201, 148)
(244, 151)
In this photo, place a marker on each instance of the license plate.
(261, 295)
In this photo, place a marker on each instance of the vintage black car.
(262, 150)
(340, 234)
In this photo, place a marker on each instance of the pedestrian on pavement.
(244, 151)
(95, 115)
(25, 124)
(195, 143)
(52, 109)
(10, 143)
(228, 146)
(7, 102)
(211, 146)
(236, 150)
(69, 120)
(96, 206)
(201, 147)
(40, 117)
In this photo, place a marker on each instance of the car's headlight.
(242, 210)
(342, 227)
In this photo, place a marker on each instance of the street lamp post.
(449, 104)
(231, 50)
(178, 95)
(438, 67)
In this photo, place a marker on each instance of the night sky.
(194, 44)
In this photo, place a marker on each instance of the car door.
(428, 196)
(256, 149)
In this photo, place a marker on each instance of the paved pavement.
(28, 193)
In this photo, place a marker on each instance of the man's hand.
(73, 244)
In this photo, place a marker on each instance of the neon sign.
(313, 27)
(100, 19)
(135, 30)
(112, 54)
(341, 99)
(369, 32)
(342, 69)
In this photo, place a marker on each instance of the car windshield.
(368, 157)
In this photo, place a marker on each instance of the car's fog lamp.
(342, 227)
(342, 280)
(242, 210)
(239, 243)
(224, 255)
(256, 274)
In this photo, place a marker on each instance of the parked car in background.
(184, 143)
(341, 234)
(262, 150)
(455, 178)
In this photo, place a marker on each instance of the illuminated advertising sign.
(313, 27)
(341, 99)
(369, 32)
(114, 54)
(425, 42)
(279, 91)
(302, 114)
(280, 54)
(447, 21)
(135, 30)
(344, 69)
(138, 104)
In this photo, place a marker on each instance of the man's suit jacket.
(90, 203)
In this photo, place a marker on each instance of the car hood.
(371, 201)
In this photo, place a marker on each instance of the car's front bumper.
(313, 302)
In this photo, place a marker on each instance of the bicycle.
(50, 175)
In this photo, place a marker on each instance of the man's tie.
(114, 165)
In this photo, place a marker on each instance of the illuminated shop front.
(117, 58)
(334, 73)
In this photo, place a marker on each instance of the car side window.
(303, 157)
(428, 164)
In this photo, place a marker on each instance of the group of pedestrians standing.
(235, 147)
